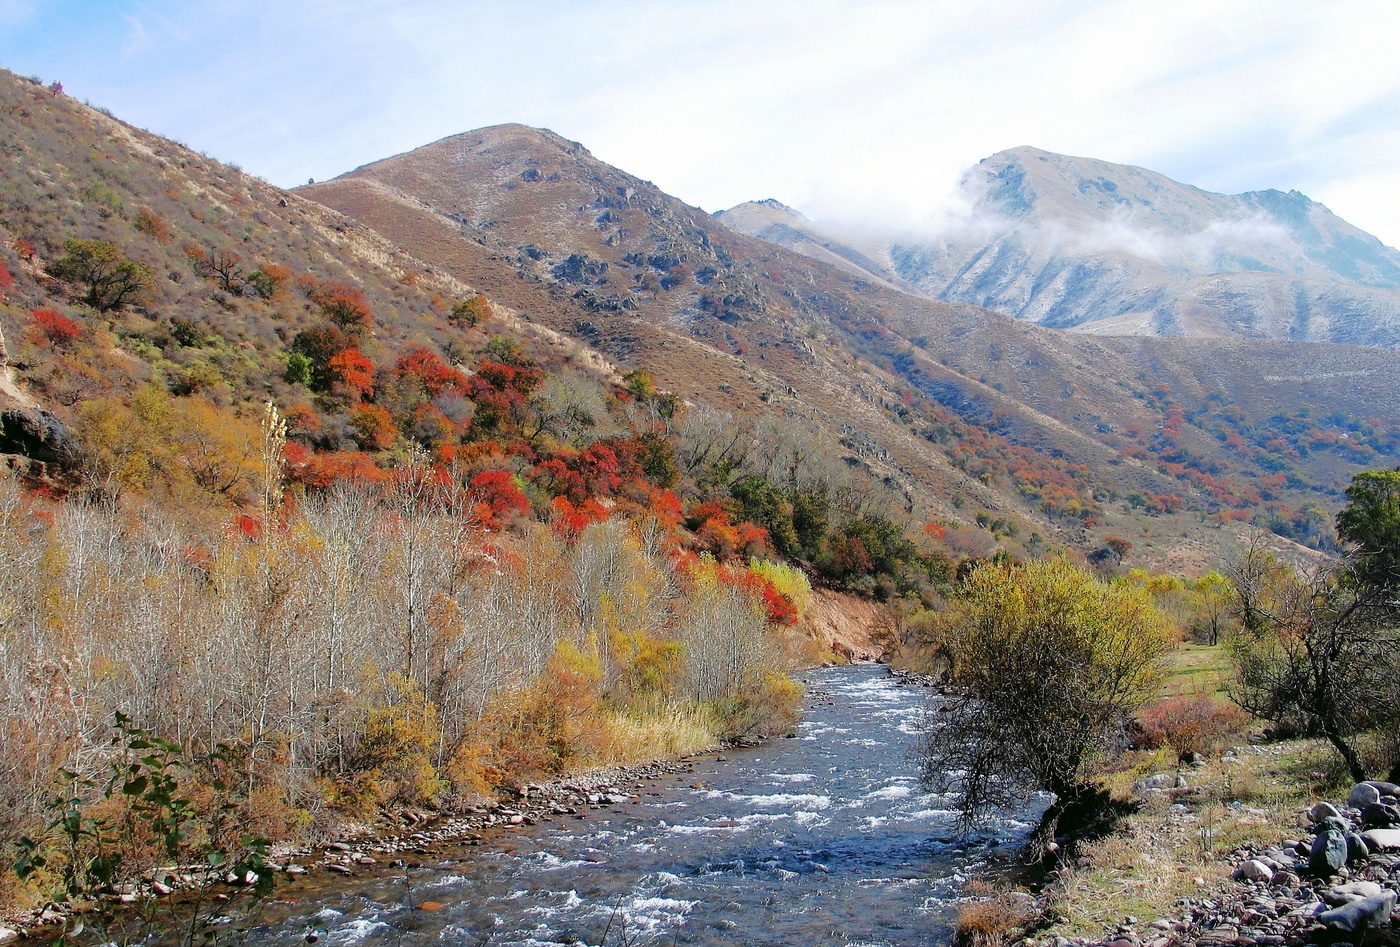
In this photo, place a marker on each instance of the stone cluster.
(1336, 886)
(418, 833)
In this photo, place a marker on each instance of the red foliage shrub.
(570, 520)
(302, 420)
(351, 372)
(435, 375)
(498, 498)
(323, 470)
(342, 304)
(7, 279)
(500, 392)
(55, 328)
(1192, 723)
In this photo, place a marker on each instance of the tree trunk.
(1347, 751)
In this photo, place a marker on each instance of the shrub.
(1192, 724)
(108, 278)
(55, 328)
(374, 428)
(1053, 662)
(992, 922)
(393, 758)
(152, 225)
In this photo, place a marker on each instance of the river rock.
(1334, 823)
(1357, 850)
(1360, 915)
(1255, 870)
(1322, 810)
(1329, 853)
(1380, 815)
(1363, 795)
(1384, 840)
(1352, 891)
(8, 935)
(1387, 790)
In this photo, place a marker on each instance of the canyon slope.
(965, 413)
(957, 419)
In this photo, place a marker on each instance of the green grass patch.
(1197, 669)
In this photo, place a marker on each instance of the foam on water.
(354, 932)
(790, 841)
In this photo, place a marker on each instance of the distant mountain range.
(1082, 244)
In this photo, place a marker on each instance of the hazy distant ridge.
(1083, 244)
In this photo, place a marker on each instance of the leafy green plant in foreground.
(106, 845)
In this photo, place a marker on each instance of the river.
(824, 838)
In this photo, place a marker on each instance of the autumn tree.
(224, 265)
(345, 306)
(1310, 655)
(108, 278)
(1321, 652)
(1050, 663)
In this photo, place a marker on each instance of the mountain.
(968, 414)
(1001, 432)
(1081, 244)
(775, 222)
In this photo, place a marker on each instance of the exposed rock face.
(35, 434)
(1076, 243)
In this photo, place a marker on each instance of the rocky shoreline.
(418, 833)
(1337, 885)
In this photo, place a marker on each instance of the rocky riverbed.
(1336, 883)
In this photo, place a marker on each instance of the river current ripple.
(821, 839)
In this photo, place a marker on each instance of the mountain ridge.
(736, 321)
(1092, 246)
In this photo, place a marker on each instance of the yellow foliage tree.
(1052, 662)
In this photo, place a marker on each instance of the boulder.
(1322, 810)
(1382, 840)
(1255, 870)
(1363, 795)
(1328, 854)
(1380, 815)
(1334, 823)
(1360, 915)
(1357, 849)
(1352, 891)
(37, 434)
(1387, 790)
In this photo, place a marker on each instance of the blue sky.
(854, 112)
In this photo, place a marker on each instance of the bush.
(393, 758)
(1053, 662)
(1192, 724)
(993, 921)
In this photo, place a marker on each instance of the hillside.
(999, 432)
(1082, 244)
(971, 415)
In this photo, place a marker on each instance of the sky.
(857, 113)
